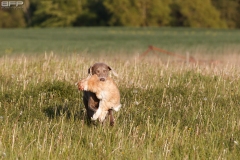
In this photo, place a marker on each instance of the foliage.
(229, 11)
(138, 13)
(62, 13)
(197, 13)
(12, 19)
(94, 14)
(157, 12)
(121, 11)
(56, 13)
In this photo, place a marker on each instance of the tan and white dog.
(106, 91)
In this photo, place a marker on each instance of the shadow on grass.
(56, 112)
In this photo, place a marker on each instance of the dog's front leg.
(103, 116)
(98, 113)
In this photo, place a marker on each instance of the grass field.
(171, 109)
(117, 40)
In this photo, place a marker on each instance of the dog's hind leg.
(110, 113)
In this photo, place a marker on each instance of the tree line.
(140, 13)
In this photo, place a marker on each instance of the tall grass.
(170, 110)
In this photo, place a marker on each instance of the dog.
(91, 102)
(106, 91)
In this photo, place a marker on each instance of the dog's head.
(101, 70)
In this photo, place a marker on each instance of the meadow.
(171, 109)
(116, 40)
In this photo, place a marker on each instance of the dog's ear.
(90, 71)
(114, 73)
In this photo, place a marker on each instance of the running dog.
(106, 91)
(90, 100)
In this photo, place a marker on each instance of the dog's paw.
(102, 117)
(117, 108)
(82, 86)
(79, 85)
(94, 117)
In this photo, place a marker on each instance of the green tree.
(29, 8)
(56, 13)
(12, 18)
(154, 12)
(138, 12)
(229, 11)
(197, 13)
(94, 13)
(123, 13)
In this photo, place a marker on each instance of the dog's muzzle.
(102, 79)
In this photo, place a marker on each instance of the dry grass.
(171, 110)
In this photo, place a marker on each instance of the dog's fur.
(106, 91)
(91, 102)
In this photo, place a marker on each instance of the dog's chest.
(102, 95)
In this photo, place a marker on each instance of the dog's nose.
(102, 79)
